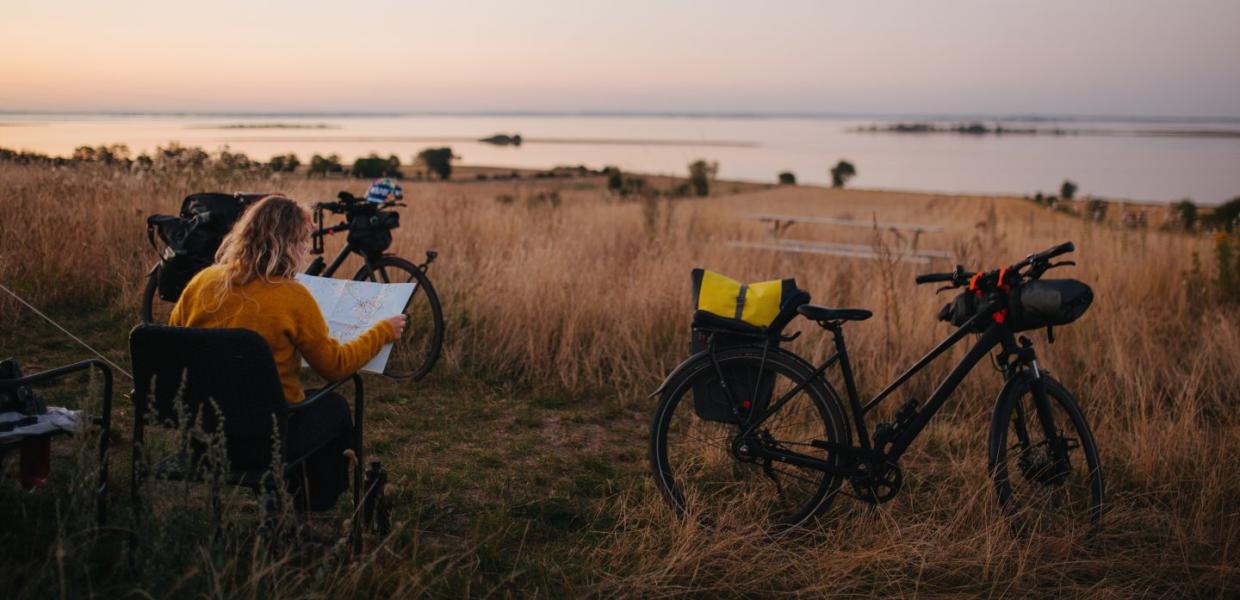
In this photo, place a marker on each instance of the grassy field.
(520, 464)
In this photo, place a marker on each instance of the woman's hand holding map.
(398, 324)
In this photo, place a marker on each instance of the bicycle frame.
(995, 335)
(348, 249)
(316, 248)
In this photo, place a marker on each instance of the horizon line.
(679, 114)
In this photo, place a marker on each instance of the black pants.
(323, 430)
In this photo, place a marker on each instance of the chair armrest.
(357, 386)
(58, 372)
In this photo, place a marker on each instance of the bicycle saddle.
(822, 313)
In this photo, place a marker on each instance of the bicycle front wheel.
(414, 354)
(155, 310)
(705, 472)
(1044, 461)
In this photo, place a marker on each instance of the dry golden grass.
(590, 298)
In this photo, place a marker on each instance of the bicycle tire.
(416, 353)
(1049, 481)
(151, 302)
(675, 412)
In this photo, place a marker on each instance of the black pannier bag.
(1048, 302)
(193, 237)
(371, 233)
(710, 402)
(756, 313)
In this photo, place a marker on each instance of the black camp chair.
(104, 420)
(206, 374)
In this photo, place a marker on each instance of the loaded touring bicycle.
(747, 432)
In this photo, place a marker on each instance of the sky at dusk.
(1084, 57)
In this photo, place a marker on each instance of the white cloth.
(56, 419)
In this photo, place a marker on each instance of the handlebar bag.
(1047, 302)
(737, 314)
(372, 233)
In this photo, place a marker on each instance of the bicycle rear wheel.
(414, 354)
(699, 469)
(154, 309)
(1047, 481)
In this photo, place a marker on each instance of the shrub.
(375, 166)
(1225, 216)
(284, 163)
(1067, 189)
(680, 191)
(322, 166)
(615, 179)
(700, 175)
(437, 161)
(787, 178)
(841, 173)
(1226, 246)
(1185, 214)
(1096, 210)
(108, 155)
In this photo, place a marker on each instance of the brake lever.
(945, 288)
(1065, 263)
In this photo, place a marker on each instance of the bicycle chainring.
(877, 483)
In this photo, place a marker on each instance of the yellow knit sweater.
(286, 315)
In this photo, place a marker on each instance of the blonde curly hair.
(267, 242)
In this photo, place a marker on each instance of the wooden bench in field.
(779, 224)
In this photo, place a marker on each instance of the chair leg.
(101, 492)
(358, 429)
(135, 494)
(104, 439)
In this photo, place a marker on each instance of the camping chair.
(201, 377)
(42, 424)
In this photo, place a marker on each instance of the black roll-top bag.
(1048, 302)
(1032, 305)
(194, 237)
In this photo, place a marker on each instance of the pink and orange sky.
(1146, 57)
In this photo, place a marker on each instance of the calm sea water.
(1137, 167)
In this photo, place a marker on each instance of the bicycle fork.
(1056, 446)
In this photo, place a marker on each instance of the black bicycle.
(369, 226)
(787, 448)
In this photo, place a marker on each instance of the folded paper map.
(352, 307)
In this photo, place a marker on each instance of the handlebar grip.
(1063, 248)
(935, 278)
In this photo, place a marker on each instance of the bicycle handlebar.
(934, 278)
(329, 230)
(1039, 260)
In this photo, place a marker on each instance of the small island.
(503, 139)
(270, 126)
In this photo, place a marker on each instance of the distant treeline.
(978, 128)
(175, 158)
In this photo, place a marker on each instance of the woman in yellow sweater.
(251, 286)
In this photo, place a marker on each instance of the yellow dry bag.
(757, 304)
